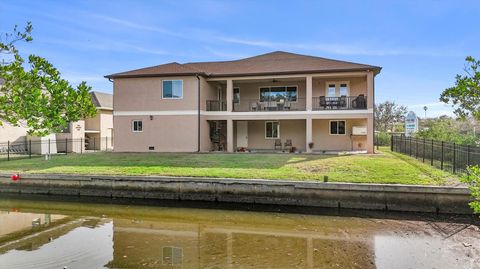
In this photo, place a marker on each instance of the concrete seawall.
(273, 192)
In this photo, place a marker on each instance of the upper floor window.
(278, 93)
(336, 89)
(337, 127)
(137, 126)
(172, 89)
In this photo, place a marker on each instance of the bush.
(472, 178)
(382, 139)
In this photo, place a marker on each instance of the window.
(137, 126)
(236, 95)
(337, 89)
(172, 89)
(272, 129)
(172, 256)
(337, 127)
(331, 90)
(278, 93)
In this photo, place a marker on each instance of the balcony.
(339, 103)
(258, 105)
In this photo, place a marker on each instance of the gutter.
(198, 114)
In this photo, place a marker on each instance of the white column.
(229, 95)
(309, 94)
(370, 89)
(309, 133)
(370, 134)
(229, 135)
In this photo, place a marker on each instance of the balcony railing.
(216, 105)
(258, 105)
(339, 103)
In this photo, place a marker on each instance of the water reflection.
(116, 236)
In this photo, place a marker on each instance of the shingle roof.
(278, 62)
(101, 99)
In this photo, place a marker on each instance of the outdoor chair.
(288, 144)
(278, 144)
(342, 101)
(323, 102)
(360, 102)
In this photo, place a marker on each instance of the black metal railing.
(29, 148)
(339, 103)
(216, 105)
(259, 105)
(444, 155)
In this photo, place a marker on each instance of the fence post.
(454, 158)
(441, 160)
(106, 143)
(410, 147)
(94, 144)
(391, 142)
(423, 154)
(431, 156)
(30, 148)
(8, 150)
(66, 146)
(81, 145)
(468, 155)
(49, 147)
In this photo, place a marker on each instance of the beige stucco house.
(89, 134)
(275, 101)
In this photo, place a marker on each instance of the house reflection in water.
(182, 245)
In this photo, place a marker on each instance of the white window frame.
(330, 127)
(270, 87)
(172, 98)
(278, 129)
(133, 126)
(337, 87)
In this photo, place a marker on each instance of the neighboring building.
(273, 101)
(91, 133)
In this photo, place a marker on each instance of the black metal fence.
(443, 155)
(29, 148)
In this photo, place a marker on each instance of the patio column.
(309, 133)
(370, 134)
(229, 95)
(309, 94)
(229, 135)
(370, 89)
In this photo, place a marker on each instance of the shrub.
(382, 139)
(472, 178)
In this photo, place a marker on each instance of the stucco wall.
(12, 133)
(323, 140)
(165, 133)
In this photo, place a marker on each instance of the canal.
(45, 233)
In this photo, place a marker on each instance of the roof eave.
(113, 76)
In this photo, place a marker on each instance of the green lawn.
(386, 167)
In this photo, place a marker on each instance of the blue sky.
(421, 45)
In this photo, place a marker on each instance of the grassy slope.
(380, 168)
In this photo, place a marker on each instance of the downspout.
(198, 114)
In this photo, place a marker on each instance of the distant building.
(91, 133)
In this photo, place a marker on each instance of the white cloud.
(342, 48)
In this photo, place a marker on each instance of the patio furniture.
(278, 144)
(342, 101)
(323, 102)
(254, 106)
(288, 144)
(360, 102)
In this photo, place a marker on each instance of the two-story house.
(276, 101)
